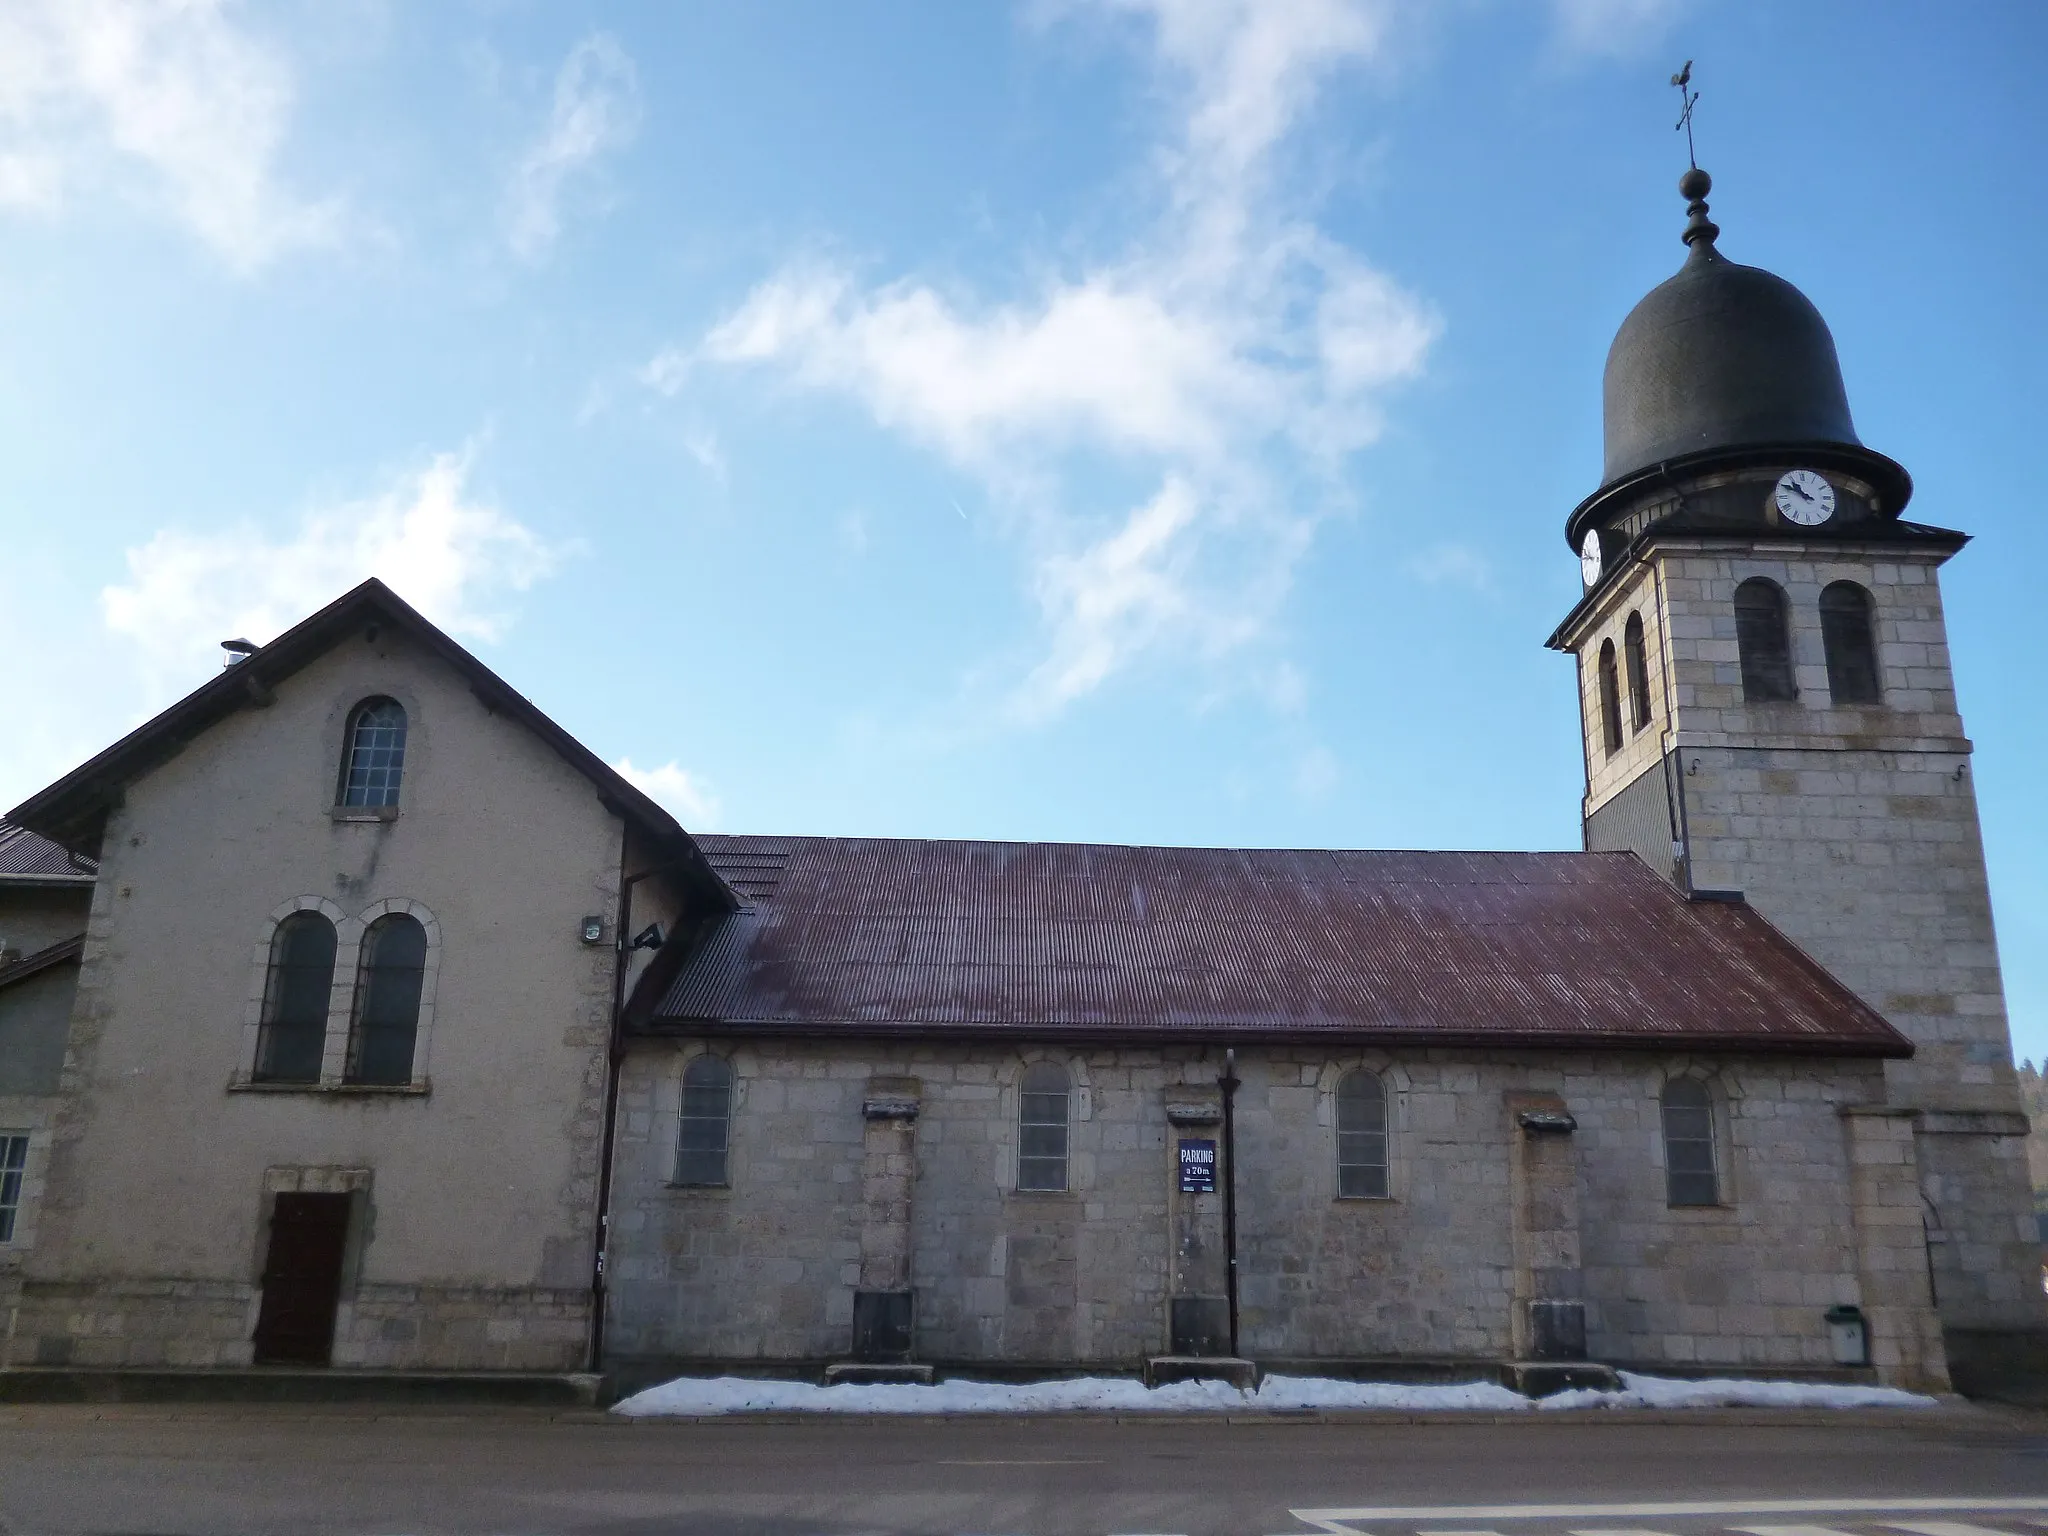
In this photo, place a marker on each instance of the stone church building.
(354, 1015)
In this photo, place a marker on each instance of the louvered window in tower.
(1850, 640)
(1637, 653)
(1763, 641)
(1610, 699)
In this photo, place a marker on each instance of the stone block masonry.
(766, 1270)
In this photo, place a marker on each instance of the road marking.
(1051, 1461)
(1788, 1530)
(1946, 1528)
(1339, 1522)
(1616, 1530)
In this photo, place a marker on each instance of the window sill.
(341, 813)
(698, 1191)
(1053, 1195)
(1704, 1212)
(418, 1090)
(1363, 1199)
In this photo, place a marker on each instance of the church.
(355, 1016)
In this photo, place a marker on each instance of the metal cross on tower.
(1683, 80)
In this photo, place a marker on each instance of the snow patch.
(695, 1396)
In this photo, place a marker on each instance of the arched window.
(1361, 1136)
(1764, 642)
(293, 1034)
(387, 1009)
(1042, 1126)
(1691, 1174)
(374, 761)
(1850, 639)
(1638, 655)
(1610, 699)
(706, 1132)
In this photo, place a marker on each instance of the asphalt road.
(222, 1472)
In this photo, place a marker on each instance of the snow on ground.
(695, 1396)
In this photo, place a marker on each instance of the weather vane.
(1683, 80)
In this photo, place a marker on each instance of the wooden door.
(302, 1279)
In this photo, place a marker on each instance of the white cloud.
(1455, 565)
(1233, 351)
(93, 90)
(683, 794)
(596, 110)
(451, 555)
(1612, 28)
(701, 443)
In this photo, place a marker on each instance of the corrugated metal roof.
(23, 855)
(877, 936)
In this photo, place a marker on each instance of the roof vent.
(237, 651)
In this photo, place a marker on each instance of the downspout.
(594, 1349)
(1229, 1083)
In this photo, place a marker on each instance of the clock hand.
(1801, 490)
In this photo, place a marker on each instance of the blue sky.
(1126, 420)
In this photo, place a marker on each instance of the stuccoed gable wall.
(766, 1269)
(476, 1188)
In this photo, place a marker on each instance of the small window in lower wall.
(705, 1137)
(1362, 1136)
(1691, 1174)
(13, 1159)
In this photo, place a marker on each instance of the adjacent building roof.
(26, 859)
(874, 937)
(73, 811)
(64, 951)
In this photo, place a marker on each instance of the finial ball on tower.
(1695, 184)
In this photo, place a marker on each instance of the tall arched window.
(1361, 1136)
(1042, 1128)
(1691, 1164)
(374, 761)
(387, 1008)
(706, 1133)
(1638, 654)
(293, 1033)
(1610, 699)
(1850, 639)
(1764, 642)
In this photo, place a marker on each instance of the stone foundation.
(208, 1324)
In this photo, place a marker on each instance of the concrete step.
(1161, 1369)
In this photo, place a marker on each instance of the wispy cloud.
(93, 92)
(1454, 565)
(451, 554)
(596, 111)
(1613, 28)
(1232, 348)
(684, 794)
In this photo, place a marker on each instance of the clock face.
(1804, 497)
(1589, 556)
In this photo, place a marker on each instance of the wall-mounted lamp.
(647, 938)
(592, 931)
(237, 651)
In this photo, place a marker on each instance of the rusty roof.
(861, 936)
(26, 859)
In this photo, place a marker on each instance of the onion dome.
(1724, 365)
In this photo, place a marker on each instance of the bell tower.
(1769, 716)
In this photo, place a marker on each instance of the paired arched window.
(387, 1006)
(1637, 654)
(1361, 1136)
(292, 1035)
(706, 1133)
(1610, 699)
(1042, 1127)
(1849, 637)
(1691, 1161)
(1763, 639)
(373, 761)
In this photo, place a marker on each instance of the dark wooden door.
(302, 1279)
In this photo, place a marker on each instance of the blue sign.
(1198, 1167)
